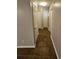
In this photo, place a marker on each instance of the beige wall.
(45, 18)
(55, 27)
(40, 19)
(24, 24)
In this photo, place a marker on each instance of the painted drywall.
(25, 35)
(45, 18)
(55, 27)
(37, 19)
(40, 16)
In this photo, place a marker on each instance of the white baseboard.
(25, 46)
(54, 47)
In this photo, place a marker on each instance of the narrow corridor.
(44, 48)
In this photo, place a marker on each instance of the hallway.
(33, 39)
(44, 48)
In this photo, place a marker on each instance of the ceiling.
(49, 2)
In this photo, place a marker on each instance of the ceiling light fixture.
(35, 4)
(43, 4)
